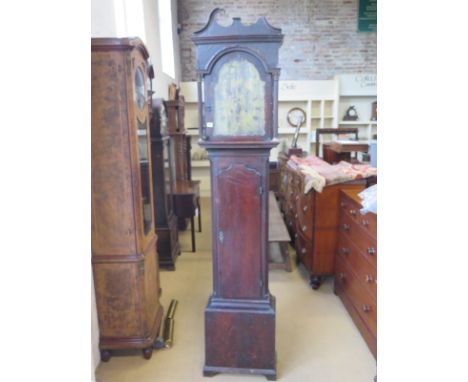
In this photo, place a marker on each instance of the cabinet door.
(238, 210)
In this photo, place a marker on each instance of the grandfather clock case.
(124, 257)
(162, 163)
(238, 93)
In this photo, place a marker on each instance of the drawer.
(363, 270)
(364, 304)
(304, 221)
(369, 223)
(352, 208)
(361, 239)
(304, 251)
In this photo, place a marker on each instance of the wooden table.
(337, 151)
(278, 237)
(186, 196)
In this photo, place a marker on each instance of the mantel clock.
(238, 100)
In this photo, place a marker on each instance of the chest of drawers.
(356, 266)
(316, 218)
(312, 220)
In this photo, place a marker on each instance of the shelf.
(357, 123)
(192, 132)
(291, 130)
(200, 163)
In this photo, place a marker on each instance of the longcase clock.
(162, 154)
(237, 98)
(124, 257)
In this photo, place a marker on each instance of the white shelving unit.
(319, 100)
(358, 90)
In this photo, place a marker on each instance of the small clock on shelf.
(351, 114)
(296, 116)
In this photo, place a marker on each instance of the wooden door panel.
(239, 219)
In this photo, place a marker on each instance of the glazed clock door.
(140, 108)
(238, 243)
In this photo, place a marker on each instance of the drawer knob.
(346, 227)
(366, 308)
(342, 204)
(304, 227)
(295, 235)
(365, 223)
(371, 251)
(369, 278)
(303, 250)
(352, 212)
(345, 251)
(297, 197)
(341, 276)
(305, 209)
(295, 216)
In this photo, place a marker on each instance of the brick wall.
(320, 36)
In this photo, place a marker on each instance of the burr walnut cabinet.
(238, 76)
(124, 256)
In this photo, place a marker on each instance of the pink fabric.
(313, 166)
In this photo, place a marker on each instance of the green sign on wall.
(367, 18)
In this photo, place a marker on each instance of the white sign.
(358, 84)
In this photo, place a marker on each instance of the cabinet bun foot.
(105, 355)
(147, 353)
(315, 282)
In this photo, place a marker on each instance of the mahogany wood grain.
(363, 302)
(364, 270)
(360, 237)
(356, 266)
(240, 315)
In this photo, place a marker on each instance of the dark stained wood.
(332, 156)
(163, 167)
(278, 237)
(274, 177)
(347, 147)
(240, 315)
(329, 155)
(124, 257)
(356, 266)
(186, 196)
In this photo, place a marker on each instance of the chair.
(329, 155)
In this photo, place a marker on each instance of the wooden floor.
(316, 339)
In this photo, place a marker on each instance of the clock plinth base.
(240, 337)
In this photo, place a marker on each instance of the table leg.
(199, 214)
(192, 226)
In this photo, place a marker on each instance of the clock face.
(140, 96)
(352, 112)
(239, 100)
(296, 116)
